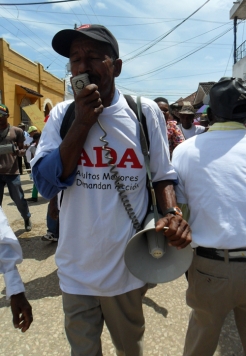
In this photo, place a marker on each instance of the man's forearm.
(178, 233)
(165, 195)
(46, 175)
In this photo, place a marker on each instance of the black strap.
(70, 116)
(67, 120)
(131, 103)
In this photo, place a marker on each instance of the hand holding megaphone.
(177, 230)
(160, 252)
(9, 148)
(20, 152)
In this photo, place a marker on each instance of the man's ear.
(117, 67)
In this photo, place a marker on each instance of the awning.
(27, 91)
(36, 116)
(202, 110)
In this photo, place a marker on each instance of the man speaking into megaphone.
(95, 223)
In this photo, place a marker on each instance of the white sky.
(136, 24)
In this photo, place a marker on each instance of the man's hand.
(22, 312)
(88, 105)
(178, 233)
(21, 152)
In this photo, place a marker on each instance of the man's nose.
(84, 66)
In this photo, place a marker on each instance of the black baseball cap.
(227, 97)
(63, 39)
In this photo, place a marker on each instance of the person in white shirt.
(28, 140)
(211, 171)
(186, 115)
(10, 256)
(94, 225)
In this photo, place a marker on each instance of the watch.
(175, 211)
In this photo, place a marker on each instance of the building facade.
(27, 85)
(238, 12)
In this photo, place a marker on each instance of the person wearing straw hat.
(186, 115)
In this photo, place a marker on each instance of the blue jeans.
(16, 193)
(52, 224)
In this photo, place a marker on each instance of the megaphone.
(149, 258)
(8, 148)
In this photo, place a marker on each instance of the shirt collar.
(227, 126)
(116, 97)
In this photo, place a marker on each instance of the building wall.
(15, 71)
(239, 69)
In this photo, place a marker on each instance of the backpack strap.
(131, 103)
(67, 120)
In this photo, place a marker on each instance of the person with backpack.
(98, 163)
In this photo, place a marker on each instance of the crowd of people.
(198, 176)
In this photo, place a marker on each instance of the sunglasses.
(2, 115)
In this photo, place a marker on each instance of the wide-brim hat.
(187, 110)
(226, 96)
(63, 39)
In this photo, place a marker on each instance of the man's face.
(164, 108)
(3, 119)
(31, 134)
(186, 120)
(94, 57)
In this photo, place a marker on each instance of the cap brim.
(186, 113)
(62, 41)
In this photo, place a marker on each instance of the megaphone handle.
(156, 215)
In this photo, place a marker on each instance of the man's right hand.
(22, 312)
(88, 105)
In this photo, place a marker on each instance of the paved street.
(164, 306)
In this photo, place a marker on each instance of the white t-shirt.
(212, 175)
(192, 131)
(94, 226)
(28, 141)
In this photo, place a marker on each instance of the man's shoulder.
(146, 102)
(62, 106)
(58, 112)
(199, 128)
(16, 129)
(187, 146)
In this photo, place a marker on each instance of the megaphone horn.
(149, 257)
